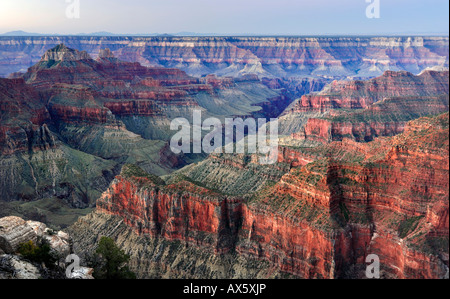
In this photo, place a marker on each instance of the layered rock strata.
(387, 197)
(280, 57)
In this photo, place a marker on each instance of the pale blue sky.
(267, 17)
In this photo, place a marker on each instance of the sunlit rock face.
(362, 168)
(320, 220)
(363, 110)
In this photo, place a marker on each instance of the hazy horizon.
(195, 34)
(225, 18)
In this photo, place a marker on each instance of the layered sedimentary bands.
(317, 213)
(281, 57)
(363, 110)
(362, 163)
(321, 220)
(70, 122)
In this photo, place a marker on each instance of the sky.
(225, 17)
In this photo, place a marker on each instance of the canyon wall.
(236, 56)
(363, 110)
(361, 94)
(320, 220)
(70, 122)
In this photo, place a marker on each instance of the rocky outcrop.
(13, 232)
(59, 241)
(63, 53)
(12, 267)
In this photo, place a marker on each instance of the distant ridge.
(20, 33)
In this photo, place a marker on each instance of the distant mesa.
(105, 53)
(62, 53)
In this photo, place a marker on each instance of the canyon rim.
(224, 156)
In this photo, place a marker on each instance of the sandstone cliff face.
(362, 94)
(363, 110)
(236, 56)
(183, 211)
(388, 197)
(385, 118)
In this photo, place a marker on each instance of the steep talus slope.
(236, 56)
(387, 197)
(235, 174)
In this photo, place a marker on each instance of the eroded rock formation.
(320, 220)
(363, 110)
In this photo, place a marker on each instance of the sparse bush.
(40, 253)
(110, 261)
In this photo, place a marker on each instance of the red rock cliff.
(388, 197)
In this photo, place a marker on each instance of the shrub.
(38, 253)
(110, 261)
